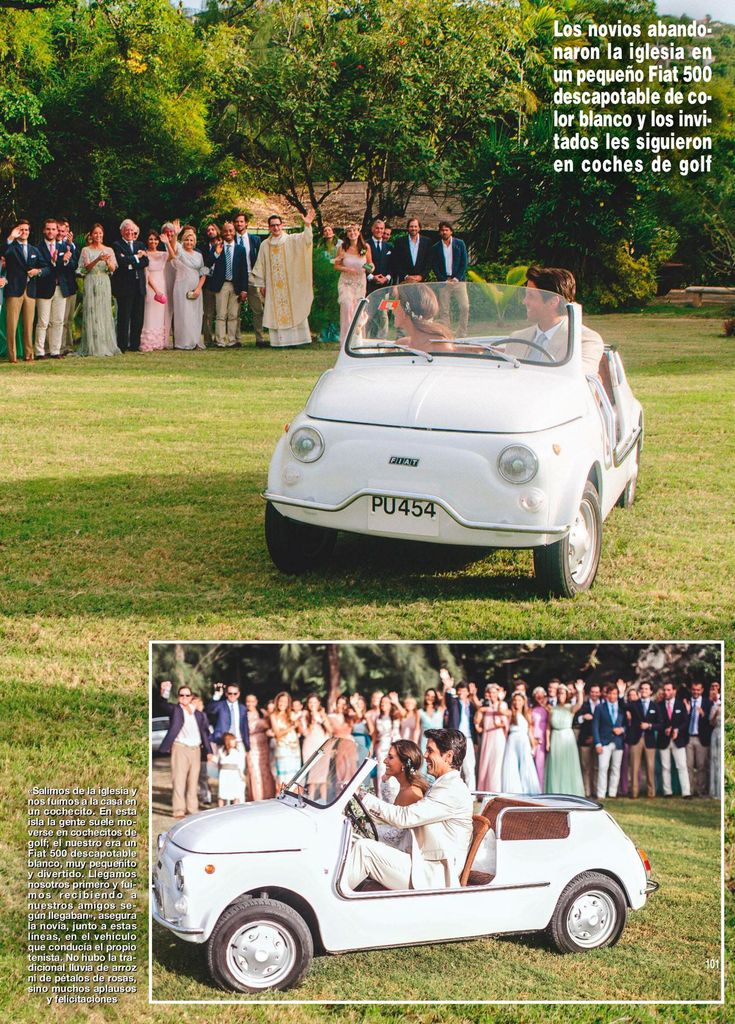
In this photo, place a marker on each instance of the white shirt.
(544, 337)
(189, 734)
(414, 248)
(448, 257)
(244, 240)
(235, 719)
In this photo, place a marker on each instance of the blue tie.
(693, 720)
(228, 263)
(612, 711)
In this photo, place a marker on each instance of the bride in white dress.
(402, 786)
(519, 773)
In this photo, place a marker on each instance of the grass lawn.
(130, 509)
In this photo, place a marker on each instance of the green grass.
(130, 509)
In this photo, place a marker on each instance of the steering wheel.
(360, 819)
(531, 344)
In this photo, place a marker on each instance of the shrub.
(729, 328)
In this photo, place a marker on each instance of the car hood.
(490, 398)
(260, 827)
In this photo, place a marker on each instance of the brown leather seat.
(480, 828)
(546, 824)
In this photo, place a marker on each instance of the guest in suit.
(231, 716)
(23, 267)
(548, 290)
(608, 730)
(50, 300)
(640, 733)
(251, 244)
(698, 744)
(449, 263)
(67, 272)
(188, 734)
(208, 251)
(229, 284)
(411, 255)
(673, 721)
(129, 286)
(387, 232)
(382, 254)
(441, 824)
(460, 715)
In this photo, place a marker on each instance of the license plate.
(411, 516)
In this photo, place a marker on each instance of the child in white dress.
(231, 762)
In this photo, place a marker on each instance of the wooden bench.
(698, 293)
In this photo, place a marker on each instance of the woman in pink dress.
(540, 720)
(315, 727)
(261, 784)
(352, 260)
(153, 335)
(491, 721)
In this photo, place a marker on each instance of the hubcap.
(582, 544)
(261, 954)
(591, 919)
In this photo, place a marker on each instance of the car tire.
(570, 565)
(627, 496)
(296, 547)
(259, 945)
(591, 914)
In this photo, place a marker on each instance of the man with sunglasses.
(229, 715)
(188, 733)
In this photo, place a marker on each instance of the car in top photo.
(479, 430)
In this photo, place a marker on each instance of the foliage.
(325, 309)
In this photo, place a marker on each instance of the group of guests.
(562, 738)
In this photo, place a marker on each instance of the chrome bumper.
(468, 524)
(651, 886)
(159, 919)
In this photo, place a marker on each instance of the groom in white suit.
(440, 824)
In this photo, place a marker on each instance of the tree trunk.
(334, 679)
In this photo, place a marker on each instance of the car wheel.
(627, 497)
(259, 944)
(296, 547)
(570, 565)
(590, 914)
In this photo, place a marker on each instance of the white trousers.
(50, 321)
(608, 764)
(680, 760)
(368, 858)
(467, 770)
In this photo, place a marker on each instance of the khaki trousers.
(15, 305)
(67, 337)
(208, 314)
(50, 323)
(255, 300)
(368, 859)
(698, 766)
(588, 762)
(185, 763)
(458, 292)
(637, 750)
(227, 316)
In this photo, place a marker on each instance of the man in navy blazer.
(608, 731)
(129, 285)
(698, 741)
(251, 244)
(229, 283)
(23, 267)
(411, 255)
(460, 715)
(52, 289)
(229, 715)
(67, 280)
(188, 733)
(673, 723)
(640, 734)
(449, 263)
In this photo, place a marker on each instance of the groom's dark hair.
(449, 739)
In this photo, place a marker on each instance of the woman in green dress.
(97, 263)
(18, 333)
(563, 772)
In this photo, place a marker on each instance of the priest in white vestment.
(283, 273)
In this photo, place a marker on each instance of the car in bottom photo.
(263, 884)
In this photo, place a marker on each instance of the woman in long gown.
(563, 771)
(97, 261)
(351, 262)
(715, 750)
(410, 724)
(315, 727)
(190, 277)
(519, 771)
(431, 715)
(287, 747)
(386, 730)
(153, 335)
(261, 785)
(491, 721)
(539, 723)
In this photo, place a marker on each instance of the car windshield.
(472, 320)
(327, 772)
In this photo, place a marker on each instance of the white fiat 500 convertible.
(474, 431)
(262, 883)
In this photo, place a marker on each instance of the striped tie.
(228, 262)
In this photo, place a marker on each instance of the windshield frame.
(359, 773)
(486, 355)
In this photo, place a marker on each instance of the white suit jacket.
(441, 830)
(592, 345)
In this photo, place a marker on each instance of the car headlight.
(307, 444)
(517, 464)
(179, 875)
